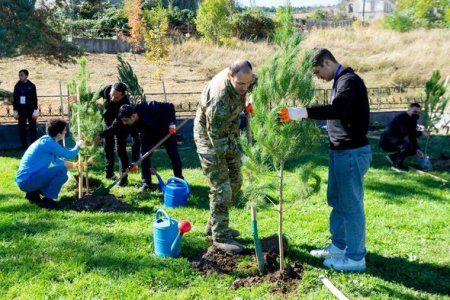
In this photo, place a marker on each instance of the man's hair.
(240, 65)
(126, 111)
(415, 104)
(24, 71)
(55, 126)
(120, 87)
(319, 55)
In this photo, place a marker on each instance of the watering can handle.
(180, 181)
(161, 211)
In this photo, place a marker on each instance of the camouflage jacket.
(216, 123)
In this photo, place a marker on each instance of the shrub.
(252, 24)
(213, 20)
(401, 21)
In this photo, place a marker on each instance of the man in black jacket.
(393, 138)
(350, 155)
(153, 120)
(25, 107)
(115, 97)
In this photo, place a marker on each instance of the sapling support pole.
(62, 107)
(334, 290)
(164, 91)
(80, 161)
(280, 220)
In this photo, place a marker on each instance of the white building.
(369, 10)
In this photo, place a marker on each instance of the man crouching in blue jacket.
(153, 120)
(41, 170)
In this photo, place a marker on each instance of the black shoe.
(147, 188)
(33, 197)
(110, 176)
(123, 182)
(48, 203)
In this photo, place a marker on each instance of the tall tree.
(29, 29)
(133, 9)
(284, 79)
(214, 20)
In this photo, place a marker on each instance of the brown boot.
(229, 246)
(231, 232)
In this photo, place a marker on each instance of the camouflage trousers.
(225, 180)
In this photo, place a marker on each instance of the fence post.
(379, 99)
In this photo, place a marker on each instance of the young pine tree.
(127, 76)
(285, 79)
(86, 118)
(435, 103)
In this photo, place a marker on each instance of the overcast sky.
(294, 3)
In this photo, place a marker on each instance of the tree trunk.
(280, 219)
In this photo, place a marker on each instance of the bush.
(401, 21)
(213, 20)
(252, 24)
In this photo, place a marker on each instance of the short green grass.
(67, 254)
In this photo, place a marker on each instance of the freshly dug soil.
(215, 261)
(106, 203)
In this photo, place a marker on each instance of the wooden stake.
(80, 172)
(334, 290)
(62, 108)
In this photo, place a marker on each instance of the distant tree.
(26, 29)
(127, 76)
(252, 24)
(425, 13)
(133, 9)
(214, 20)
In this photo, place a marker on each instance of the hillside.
(382, 58)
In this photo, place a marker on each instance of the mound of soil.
(106, 203)
(215, 261)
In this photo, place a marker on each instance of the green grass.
(66, 254)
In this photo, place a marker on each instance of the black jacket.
(154, 119)
(402, 126)
(28, 90)
(348, 114)
(111, 108)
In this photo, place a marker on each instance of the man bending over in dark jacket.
(153, 120)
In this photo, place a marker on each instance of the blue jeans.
(49, 181)
(346, 196)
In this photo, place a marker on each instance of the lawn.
(67, 254)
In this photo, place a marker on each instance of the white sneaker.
(345, 264)
(328, 252)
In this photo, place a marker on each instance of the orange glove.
(79, 167)
(133, 168)
(15, 115)
(172, 129)
(288, 114)
(249, 109)
(35, 114)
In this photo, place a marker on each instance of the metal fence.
(380, 98)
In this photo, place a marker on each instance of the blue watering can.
(167, 235)
(176, 191)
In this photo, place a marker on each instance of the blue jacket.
(41, 154)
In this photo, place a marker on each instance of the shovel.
(105, 190)
(256, 240)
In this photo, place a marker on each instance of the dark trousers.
(24, 116)
(110, 144)
(171, 149)
(401, 148)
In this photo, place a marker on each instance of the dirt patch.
(215, 261)
(106, 203)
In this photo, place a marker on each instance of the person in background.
(25, 107)
(153, 120)
(115, 97)
(350, 155)
(216, 127)
(393, 137)
(41, 170)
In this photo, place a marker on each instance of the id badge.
(23, 100)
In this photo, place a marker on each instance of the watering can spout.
(161, 184)
(183, 227)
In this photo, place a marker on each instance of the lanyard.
(338, 70)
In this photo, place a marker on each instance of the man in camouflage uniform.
(216, 127)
